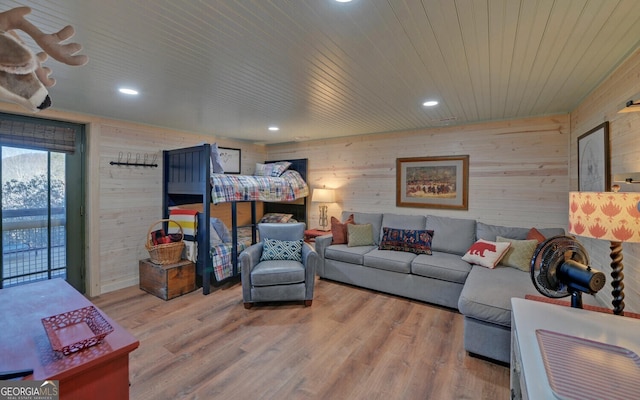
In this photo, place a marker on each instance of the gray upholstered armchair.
(281, 267)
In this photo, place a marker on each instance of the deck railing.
(32, 248)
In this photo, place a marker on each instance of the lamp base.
(323, 222)
(618, 276)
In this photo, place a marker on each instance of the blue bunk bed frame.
(186, 180)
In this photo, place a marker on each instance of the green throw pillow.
(519, 254)
(360, 235)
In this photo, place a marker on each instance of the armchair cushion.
(280, 272)
(274, 249)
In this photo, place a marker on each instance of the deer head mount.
(23, 78)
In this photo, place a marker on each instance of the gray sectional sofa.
(482, 295)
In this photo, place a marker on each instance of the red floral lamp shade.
(605, 215)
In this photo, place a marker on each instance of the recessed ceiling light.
(274, 128)
(430, 103)
(343, 1)
(128, 91)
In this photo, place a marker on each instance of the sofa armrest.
(322, 242)
(310, 259)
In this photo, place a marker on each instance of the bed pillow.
(215, 162)
(273, 249)
(485, 253)
(519, 254)
(279, 218)
(214, 238)
(359, 235)
(409, 240)
(221, 229)
(339, 230)
(263, 169)
(279, 168)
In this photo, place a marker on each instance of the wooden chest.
(167, 281)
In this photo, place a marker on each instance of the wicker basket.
(166, 253)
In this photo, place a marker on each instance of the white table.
(528, 375)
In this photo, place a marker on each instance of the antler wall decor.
(23, 78)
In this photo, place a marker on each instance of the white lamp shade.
(323, 196)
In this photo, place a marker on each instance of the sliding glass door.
(42, 203)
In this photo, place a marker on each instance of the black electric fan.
(560, 268)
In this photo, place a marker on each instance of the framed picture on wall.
(593, 160)
(230, 160)
(433, 182)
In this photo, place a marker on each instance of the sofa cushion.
(519, 254)
(487, 293)
(359, 235)
(491, 232)
(344, 253)
(404, 221)
(367, 218)
(443, 266)
(485, 253)
(339, 230)
(451, 235)
(395, 261)
(416, 241)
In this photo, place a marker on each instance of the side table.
(310, 235)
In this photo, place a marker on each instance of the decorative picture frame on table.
(230, 159)
(433, 182)
(593, 160)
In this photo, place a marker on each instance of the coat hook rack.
(138, 162)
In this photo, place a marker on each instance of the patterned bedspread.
(287, 187)
(221, 254)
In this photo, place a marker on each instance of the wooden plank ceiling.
(321, 69)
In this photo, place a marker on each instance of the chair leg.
(307, 303)
(248, 305)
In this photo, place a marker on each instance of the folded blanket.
(188, 220)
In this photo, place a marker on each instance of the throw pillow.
(279, 218)
(485, 253)
(519, 253)
(410, 240)
(535, 234)
(273, 249)
(339, 230)
(360, 235)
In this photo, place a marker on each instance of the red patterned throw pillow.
(339, 230)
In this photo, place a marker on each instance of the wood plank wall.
(602, 105)
(131, 197)
(517, 169)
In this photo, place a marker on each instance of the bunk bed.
(188, 180)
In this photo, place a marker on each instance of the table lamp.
(323, 196)
(608, 216)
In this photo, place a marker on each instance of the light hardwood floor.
(351, 343)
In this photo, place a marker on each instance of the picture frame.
(593, 160)
(433, 182)
(230, 159)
